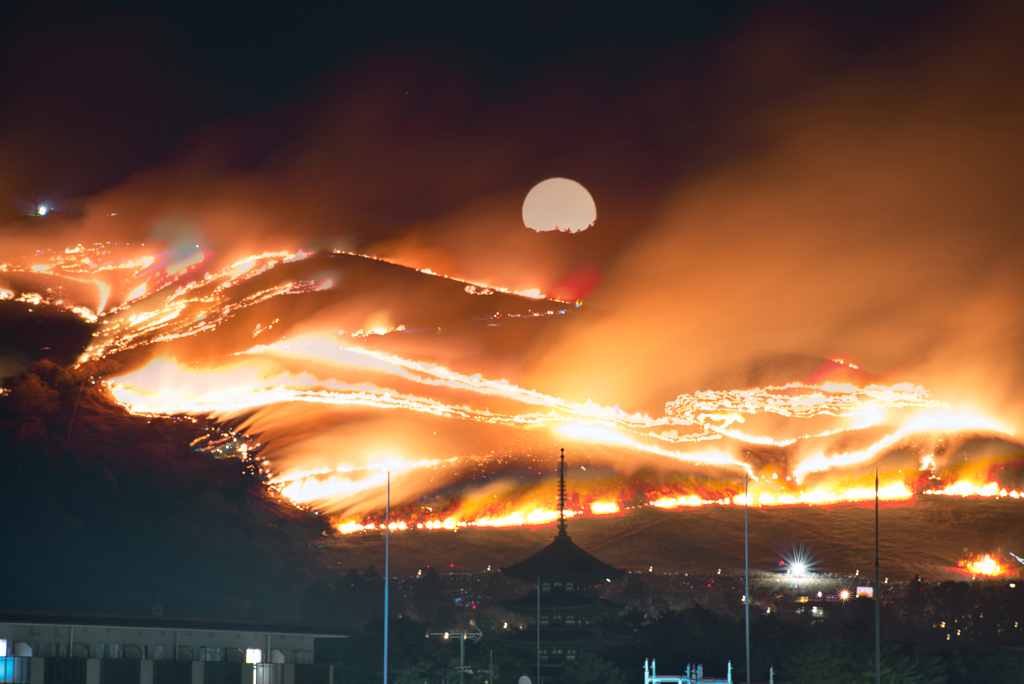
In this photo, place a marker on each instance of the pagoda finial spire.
(561, 496)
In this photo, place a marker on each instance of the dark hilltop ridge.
(107, 512)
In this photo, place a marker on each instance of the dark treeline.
(676, 638)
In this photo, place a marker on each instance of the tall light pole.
(878, 597)
(746, 568)
(387, 572)
(538, 629)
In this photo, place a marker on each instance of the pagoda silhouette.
(569, 581)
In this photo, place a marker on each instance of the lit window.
(254, 655)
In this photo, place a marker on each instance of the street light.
(462, 636)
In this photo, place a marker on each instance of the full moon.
(559, 204)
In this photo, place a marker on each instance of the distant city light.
(42, 210)
(798, 560)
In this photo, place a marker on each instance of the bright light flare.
(985, 565)
(798, 560)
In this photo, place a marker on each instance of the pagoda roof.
(562, 558)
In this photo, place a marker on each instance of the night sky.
(95, 91)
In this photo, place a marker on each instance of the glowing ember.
(986, 565)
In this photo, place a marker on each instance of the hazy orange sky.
(790, 183)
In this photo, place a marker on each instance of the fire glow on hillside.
(329, 415)
(985, 565)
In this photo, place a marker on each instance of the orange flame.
(985, 565)
(141, 298)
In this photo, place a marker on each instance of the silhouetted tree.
(590, 668)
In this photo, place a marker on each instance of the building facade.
(43, 649)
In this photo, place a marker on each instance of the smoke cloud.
(874, 220)
(799, 190)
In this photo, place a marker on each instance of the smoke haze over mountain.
(783, 193)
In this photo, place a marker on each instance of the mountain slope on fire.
(333, 369)
(325, 372)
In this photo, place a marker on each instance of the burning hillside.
(332, 369)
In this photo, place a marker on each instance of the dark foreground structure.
(77, 649)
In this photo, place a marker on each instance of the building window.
(120, 671)
(64, 671)
(298, 657)
(106, 651)
(227, 673)
(14, 670)
(211, 654)
(268, 673)
(312, 674)
(172, 672)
